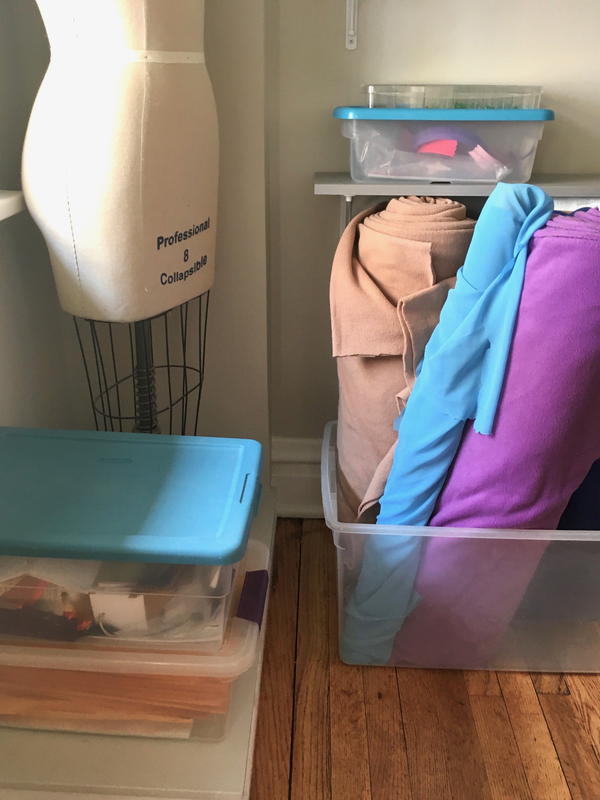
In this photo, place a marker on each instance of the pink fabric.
(441, 147)
(391, 274)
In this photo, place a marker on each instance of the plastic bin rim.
(328, 471)
(445, 114)
(223, 664)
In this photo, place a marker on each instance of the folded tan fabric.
(392, 271)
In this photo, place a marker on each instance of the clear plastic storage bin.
(492, 599)
(452, 145)
(124, 538)
(121, 602)
(448, 95)
(176, 690)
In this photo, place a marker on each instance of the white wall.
(33, 390)
(551, 42)
(308, 72)
(41, 378)
(235, 401)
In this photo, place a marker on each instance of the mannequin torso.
(120, 166)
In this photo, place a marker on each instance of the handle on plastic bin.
(254, 596)
(328, 475)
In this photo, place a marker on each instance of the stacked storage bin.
(447, 133)
(130, 597)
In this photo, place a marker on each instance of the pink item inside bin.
(440, 147)
(483, 158)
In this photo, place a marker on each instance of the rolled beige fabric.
(392, 271)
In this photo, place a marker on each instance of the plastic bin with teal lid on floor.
(452, 145)
(133, 537)
(105, 687)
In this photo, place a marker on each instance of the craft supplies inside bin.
(529, 602)
(68, 600)
(176, 690)
(444, 133)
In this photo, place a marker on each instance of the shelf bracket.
(351, 24)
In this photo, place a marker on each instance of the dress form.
(120, 164)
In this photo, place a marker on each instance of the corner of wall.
(296, 477)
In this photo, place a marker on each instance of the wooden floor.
(327, 731)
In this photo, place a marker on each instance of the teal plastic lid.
(446, 114)
(127, 497)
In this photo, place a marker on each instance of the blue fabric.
(460, 378)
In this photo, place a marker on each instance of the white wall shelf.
(567, 190)
(340, 183)
(11, 203)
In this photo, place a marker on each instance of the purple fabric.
(546, 438)
(466, 139)
(254, 595)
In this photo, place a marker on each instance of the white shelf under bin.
(569, 191)
(11, 203)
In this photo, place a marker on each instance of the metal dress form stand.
(147, 376)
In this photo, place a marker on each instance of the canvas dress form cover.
(120, 165)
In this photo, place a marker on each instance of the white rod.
(351, 24)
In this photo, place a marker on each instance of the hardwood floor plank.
(426, 758)
(350, 773)
(272, 761)
(388, 758)
(574, 722)
(444, 755)
(550, 683)
(585, 692)
(311, 770)
(577, 758)
(504, 769)
(481, 683)
(536, 747)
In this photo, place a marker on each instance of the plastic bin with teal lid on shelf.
(451, 95)
(129, 536)
(453, 145)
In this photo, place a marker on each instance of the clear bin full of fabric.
(462, 481)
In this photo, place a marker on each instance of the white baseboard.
(296, 476)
